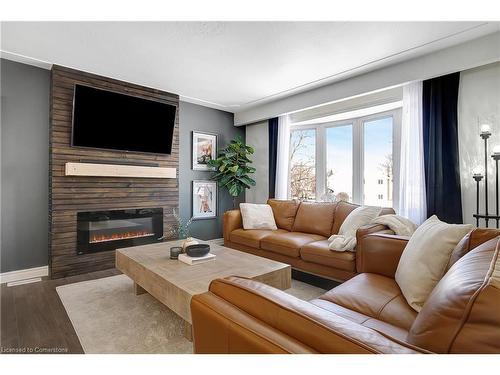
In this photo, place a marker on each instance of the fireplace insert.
(109, 230)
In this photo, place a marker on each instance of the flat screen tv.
(109, 120)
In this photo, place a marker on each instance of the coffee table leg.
(188, 331)
(138, 290)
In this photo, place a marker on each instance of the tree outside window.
(303, 164)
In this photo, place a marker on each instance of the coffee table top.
(150, 266)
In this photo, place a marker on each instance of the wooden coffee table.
(174, 283)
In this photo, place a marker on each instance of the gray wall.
(196, 117)
(24, 166)
(257, 136)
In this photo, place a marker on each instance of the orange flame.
(119, 236)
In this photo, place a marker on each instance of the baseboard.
(30, 273)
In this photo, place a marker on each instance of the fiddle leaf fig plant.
(232, 169)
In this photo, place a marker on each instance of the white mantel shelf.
(114, 170)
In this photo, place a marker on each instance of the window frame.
(358, 156)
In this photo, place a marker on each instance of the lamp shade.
(485, 128)
(478, 171)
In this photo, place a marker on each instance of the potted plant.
(232, 170)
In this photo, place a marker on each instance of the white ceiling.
(230, 65)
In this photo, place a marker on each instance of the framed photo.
(204, 199)
(204, 149)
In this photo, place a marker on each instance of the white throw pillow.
(399, 224)
(257, 216)
(357, 218)
(425, 257)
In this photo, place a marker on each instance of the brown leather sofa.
(301, 238)
(366, 314)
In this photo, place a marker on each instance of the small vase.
(188, 241)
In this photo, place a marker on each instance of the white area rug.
(109, 318)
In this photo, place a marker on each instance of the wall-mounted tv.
(109, 120)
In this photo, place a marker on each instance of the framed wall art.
(204, 201)
(204, 149)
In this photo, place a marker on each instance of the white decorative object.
(257, 216)
(425, 257)
(345, 240)
(398, 224)
(116, 170)
(412, 198)
(192, 261)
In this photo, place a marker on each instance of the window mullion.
(320, 162)
(357, 162)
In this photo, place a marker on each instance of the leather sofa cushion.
(462, 314)
(284, 212)
(288, 243)
(386, 329)
(376, 296)
(351, 315)
(252, 237)
(313, 217)
(318, 252)
(475, 238)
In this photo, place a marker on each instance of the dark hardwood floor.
(33, 319)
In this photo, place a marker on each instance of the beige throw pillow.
(423, 262)
(257, 216)
(357, 218)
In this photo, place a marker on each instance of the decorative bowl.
(197, 250)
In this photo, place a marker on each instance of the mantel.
(116, 170)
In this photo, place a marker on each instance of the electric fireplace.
(109, 230)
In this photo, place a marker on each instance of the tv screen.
(108, 120)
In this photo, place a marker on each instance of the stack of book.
(191, 260)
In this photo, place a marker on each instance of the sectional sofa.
(301, 237)
(366, 314)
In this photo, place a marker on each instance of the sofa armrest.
(232, 220)
(379, 253)
(240, 315)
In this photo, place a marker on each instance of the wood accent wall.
(71, 194)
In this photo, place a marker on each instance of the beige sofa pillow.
(423, 262)
(257, 216)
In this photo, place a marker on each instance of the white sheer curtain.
(282, 159)
(412, 203)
